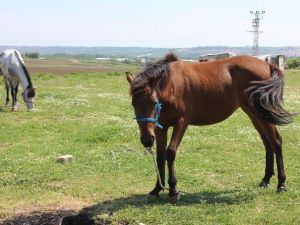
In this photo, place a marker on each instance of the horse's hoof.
(174, 198)
(281, 189)
(263, 184)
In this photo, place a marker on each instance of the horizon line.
(204, 46)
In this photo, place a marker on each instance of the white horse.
(14, 70)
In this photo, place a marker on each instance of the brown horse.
(173, 93)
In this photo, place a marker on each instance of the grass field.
(89, 116)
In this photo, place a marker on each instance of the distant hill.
(132, 52)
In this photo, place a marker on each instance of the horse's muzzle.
(147, 141)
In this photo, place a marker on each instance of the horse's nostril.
(152, 139)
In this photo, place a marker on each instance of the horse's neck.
(19, 69)
(165, 96)
(23, 78)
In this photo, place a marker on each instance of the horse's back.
(246, 63)
(6, 57)
(215, 89)
(9, 54)
(249, 65)
(10, 64)
(214, 75)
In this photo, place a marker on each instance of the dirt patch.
(40, 218)
(60, 217)
(64, 66)
(67, 213)
(40, 214)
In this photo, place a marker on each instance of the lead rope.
(150, 151)
(157, 171)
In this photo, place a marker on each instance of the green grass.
(90, 117)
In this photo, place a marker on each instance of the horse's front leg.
(7, 91)
(161, 145)
(16, 92)
(178, 132)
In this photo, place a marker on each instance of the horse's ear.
(129, 77)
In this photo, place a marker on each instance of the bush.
(294, 63)
(33, 55)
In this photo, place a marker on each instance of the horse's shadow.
(105, 210)
(102, 213)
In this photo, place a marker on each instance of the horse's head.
(144, 89)
(28, 97)
(147, 108)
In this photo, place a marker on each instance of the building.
(217, 56)
(277, 60)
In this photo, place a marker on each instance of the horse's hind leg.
(269, 169)
(276, 145)
(273, 144)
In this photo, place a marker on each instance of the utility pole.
(255, 24)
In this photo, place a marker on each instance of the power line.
(256, 32)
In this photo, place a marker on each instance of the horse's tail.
(266, 98)
(18, 56)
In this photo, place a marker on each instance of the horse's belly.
(212, 115)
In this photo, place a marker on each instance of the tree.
(33, 55)
(294, 64)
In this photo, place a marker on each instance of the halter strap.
(26, 101)
(154, 120)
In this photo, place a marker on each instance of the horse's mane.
(152, 73)
(18, 56)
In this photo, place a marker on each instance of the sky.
(155, 23)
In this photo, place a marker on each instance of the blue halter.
(154, 120)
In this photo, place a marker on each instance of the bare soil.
(39, 218)
(64, 66)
